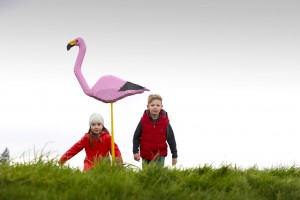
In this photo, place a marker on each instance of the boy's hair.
(154, 97)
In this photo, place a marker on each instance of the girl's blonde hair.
(154, 97)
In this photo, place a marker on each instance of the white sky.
(228, 72)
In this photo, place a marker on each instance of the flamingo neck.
(80, 56)
(77, 69)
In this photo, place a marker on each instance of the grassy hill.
(47, 180)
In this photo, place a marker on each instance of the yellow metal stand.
(112, 133)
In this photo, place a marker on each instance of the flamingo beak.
(71, 44)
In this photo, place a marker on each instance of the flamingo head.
(77, 42)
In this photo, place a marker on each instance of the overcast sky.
(228, 72)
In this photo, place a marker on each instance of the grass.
(45, 179)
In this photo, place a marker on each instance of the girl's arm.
(76, 148)
(118, 154)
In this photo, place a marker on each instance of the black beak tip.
(69, 47)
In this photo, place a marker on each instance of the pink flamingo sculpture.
(107, 89)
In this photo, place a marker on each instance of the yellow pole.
(112, 133)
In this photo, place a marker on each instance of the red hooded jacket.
(101, 149)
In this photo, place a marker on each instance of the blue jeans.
(159, 160)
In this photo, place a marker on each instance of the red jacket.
(101, 149)
(154, 136)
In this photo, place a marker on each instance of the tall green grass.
(45, 179)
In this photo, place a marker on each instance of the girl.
(96, 143)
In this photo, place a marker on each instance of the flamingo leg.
(112, 133)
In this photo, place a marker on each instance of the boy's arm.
(171, 141)
(137, 138)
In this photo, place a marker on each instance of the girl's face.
(96, 127)
(155, 107)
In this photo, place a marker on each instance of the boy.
(153, 133)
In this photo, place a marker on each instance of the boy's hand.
(136, 156)
(174, 161)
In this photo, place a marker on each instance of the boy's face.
(155, 107)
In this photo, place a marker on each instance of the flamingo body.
(107, 89)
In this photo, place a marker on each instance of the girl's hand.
(136, 156)
(119, 160)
